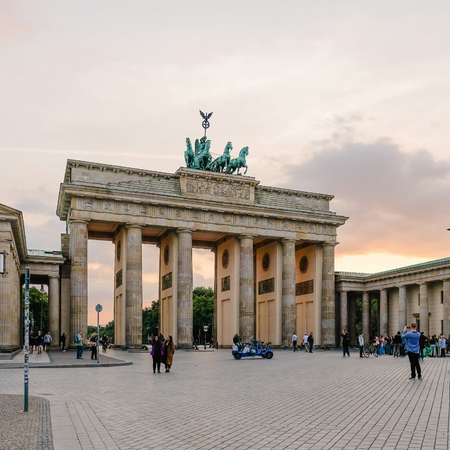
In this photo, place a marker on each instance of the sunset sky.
(346, 98)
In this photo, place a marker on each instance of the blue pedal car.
(246, 350)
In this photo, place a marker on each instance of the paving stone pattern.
(211, 401)
(28, 431)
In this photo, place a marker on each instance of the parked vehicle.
(252, 349)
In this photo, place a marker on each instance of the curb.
(64, 366)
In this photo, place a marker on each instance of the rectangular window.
(418, 299)
(442, 297)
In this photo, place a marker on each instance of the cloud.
(11, 26)
(396, 201)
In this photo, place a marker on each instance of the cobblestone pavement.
(211, 401)
(28, 431)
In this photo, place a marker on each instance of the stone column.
(344, 310)
(246, 289)
(446, 309)
(53, 311)
(288, 322)
(184, 302)
(133, 287)
(78, 278)
(423, 289)
(383, 312)
(401, 308)
(352, 318)
(365, 314)
(328, 297)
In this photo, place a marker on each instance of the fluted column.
(328, 297)
(446, 309)
(365, 314)
(78, 277)
(383, 312)
(133, 287)
(401, 308)
(288, 292)
(53, 310)
(246, 288)
(344, 310)
(423, 290)
(184, 302)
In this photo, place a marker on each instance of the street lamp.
(42, 293)
(205, 329)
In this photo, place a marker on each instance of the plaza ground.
(211, 401)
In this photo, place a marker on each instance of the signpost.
(98, 308)
(27, 336)
(205, 329)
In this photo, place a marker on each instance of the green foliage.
(374, 317)
(359, 325)
(35, 309)
(108, 329)
(203, 310)
(91, 329)
(150, 321)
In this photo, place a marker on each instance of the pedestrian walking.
(39, 342)
(105, 341)
(361, 344)
(47, 341)
(305, 342)
(397, 344)
(62, 342)
(32, 341)
(412, 338)
(311, 342)
(93, 341)
(443, 346)
(195, 344)
(422, 340)
(345, 342)
(157, 352)
(79, 344)
(169, 350)
(294, 341)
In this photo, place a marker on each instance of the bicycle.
(370, 349)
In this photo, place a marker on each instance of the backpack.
(75, 339)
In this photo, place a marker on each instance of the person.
(311, 342)
(443, 346)
(63, 342)
(39, 342)
(345, 342)
(47, 341)
(104, 342)
(412, 338)
(157, 352)
(397, 344)
(195, 344)
(422, 340)
(305, 342)
(79, 344)
(94, 341)
(169, 350)
(32, 341)
(294, 341)
(361, 344)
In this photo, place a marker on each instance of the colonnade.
(417, 307)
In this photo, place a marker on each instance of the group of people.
(93, 343)
(162, 352)
(434, 346)
(39, 341)
(308, 342)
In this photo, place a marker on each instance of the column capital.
(82, 221)
(246, 236)
(329, 244)
(185, 230)
(54, 277)
(423, 283)
(133, 225)
(288, 241)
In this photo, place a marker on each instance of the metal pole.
(27, 337)
(98, 337)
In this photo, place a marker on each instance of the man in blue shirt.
(413, 348)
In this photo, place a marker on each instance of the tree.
(203, 310)
(36, 307)
(150, 321)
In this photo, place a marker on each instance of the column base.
(186, 346)
(10, 348)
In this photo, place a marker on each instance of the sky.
(346, 98)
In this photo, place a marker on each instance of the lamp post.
(205, 329)
(41, 299)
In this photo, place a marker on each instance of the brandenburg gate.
(274, 250)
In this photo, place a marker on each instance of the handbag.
(93, 344)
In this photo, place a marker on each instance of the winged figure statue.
(205, 116)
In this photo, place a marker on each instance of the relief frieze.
(217, 189)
